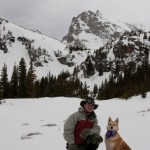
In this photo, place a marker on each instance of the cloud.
(53, 17)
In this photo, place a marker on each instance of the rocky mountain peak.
(91, 30)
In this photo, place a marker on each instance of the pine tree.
(0, 92)
(37, 89)
(14, 82)
(83, 91)
(145, 36)
(31, 77)
(90, 70)
(95, 90)
(75, 71)
(22, 78)
(116, 72)
(44, 87)
(100, 70)
(51, 85)
(4, 82)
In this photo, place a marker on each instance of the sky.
(53, 17)
(35, 124)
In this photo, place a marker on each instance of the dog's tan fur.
(115, 142)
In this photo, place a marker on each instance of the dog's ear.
(109, 119)
(117, 120)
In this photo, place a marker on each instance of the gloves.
(94, 139)
(100, 139)
(85, 133)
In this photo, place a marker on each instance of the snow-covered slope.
(25, 41)
(35, 124)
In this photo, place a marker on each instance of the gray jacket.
(72, 132)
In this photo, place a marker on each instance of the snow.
(110, 55)
(90, 40)
(16, 51)
(95, 80)
(27, 124)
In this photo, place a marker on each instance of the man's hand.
(85, 133)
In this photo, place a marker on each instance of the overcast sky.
(53, 17)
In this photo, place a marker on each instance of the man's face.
(88, 107)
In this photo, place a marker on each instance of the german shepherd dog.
(113, 140)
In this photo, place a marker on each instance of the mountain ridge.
(90, 27)
(51, 55)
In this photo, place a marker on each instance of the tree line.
(127, 84)
(24, 84)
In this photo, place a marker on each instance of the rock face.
(92, 30)
(130, 51)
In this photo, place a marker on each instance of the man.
(81, 129)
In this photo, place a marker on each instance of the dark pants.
(92, 147)
(92, 142)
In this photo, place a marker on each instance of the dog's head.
(112, 125)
